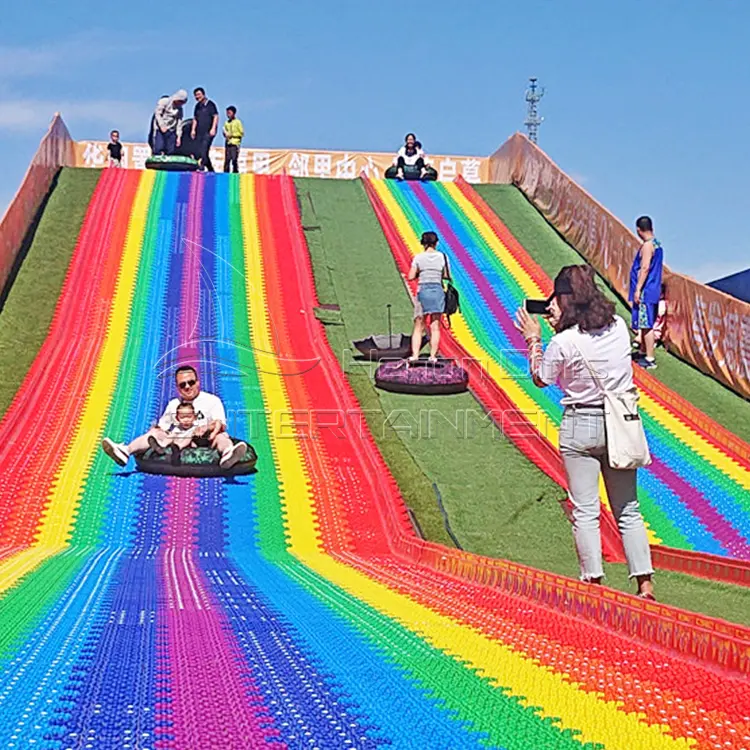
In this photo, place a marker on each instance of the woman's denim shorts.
(430, 300)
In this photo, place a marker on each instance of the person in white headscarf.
(168, 123)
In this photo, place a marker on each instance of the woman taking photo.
(430, 268)
(587, 330)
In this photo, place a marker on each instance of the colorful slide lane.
(282, 609)
(695, 495)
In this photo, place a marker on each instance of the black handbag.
(452, 298)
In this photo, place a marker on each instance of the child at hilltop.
(233, 132)
(114, 147)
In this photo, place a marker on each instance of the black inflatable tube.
(150, 463)
(179, 164)
(441, 389)
(165, 468)
(411, 173)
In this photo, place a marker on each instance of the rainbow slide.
(292, 608)
(696, 494)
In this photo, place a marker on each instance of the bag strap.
(591, 370)
(447, 318)
(447, 266)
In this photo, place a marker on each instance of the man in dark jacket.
(205, 125)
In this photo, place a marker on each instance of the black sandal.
(155, 446)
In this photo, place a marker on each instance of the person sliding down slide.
(209, 414)
(410, 158)
(183, 433)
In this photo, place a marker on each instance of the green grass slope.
(552, 252)
(497, 503)
(27, 313)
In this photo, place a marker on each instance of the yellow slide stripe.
(538, 417)
(493, 367)
(598, 720)
(666, 418)
(530, 289)
(68, 484)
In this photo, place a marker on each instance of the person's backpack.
(452, 298)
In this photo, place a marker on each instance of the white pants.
(584, 452)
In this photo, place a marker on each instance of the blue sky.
(647, 101)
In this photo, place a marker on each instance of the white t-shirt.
(208, 408)
(176, 430)
(430, 265)
(608, 353)
(410, 161)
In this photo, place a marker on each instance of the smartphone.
(537, 306)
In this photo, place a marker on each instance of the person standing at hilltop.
(167, 123)
(233, 132)
(205, 126)
(114, 149)
(645, 290)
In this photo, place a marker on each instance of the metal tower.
(533, 121)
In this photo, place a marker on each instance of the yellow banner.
(345, 165)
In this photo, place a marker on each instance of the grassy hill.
(497, 503)
(471, 488)
(26, 316)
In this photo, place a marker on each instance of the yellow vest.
(233, 132)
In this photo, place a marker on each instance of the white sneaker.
(232, 455)
(116, 451)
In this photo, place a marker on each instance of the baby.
(183, 433)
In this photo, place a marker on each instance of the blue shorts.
(430, 300)
(644, 315)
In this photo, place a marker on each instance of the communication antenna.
(533, 121)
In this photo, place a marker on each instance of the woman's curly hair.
(585, 305)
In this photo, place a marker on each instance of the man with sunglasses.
(209, 414)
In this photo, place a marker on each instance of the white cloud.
(22, 62)
(59, 56)
(22, 115)
(13, 115)
(581, 179)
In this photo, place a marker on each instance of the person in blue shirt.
(645, 290)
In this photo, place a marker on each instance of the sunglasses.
(186, 384)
